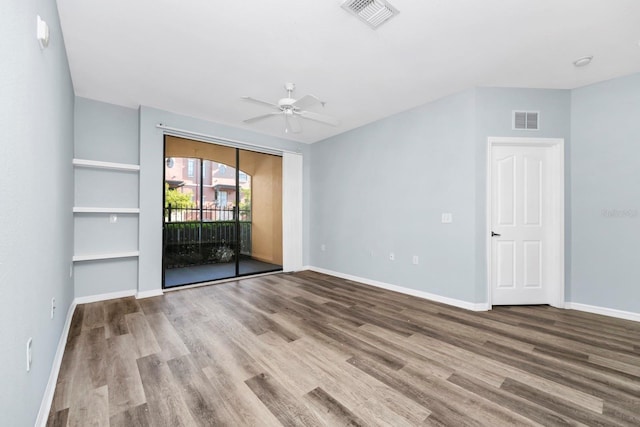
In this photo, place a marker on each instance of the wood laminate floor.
(307, 349)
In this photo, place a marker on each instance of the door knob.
(494, 234)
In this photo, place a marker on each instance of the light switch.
(447, 218)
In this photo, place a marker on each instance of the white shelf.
(112, 255)
(84, 209)
(105, 165)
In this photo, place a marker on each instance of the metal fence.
(191, 241)
(173, 214)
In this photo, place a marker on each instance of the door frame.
(557, 267)
(293, 237)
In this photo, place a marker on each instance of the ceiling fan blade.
(264, 116)
(307, 101)
(292, 124)
(319, 118)
(259, 101)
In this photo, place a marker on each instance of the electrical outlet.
(392, 256)
(29, 345)
(323, 247)
(53, 307)
(415, 260)
(113, 218)
(447, 218)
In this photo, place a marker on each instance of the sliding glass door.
(222, 212)
(260, 202)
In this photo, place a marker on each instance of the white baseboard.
(47, 399)
(119, 294)
(620, 314)
(149, 294)
(104, 297)
(408, 291)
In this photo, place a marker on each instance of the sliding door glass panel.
(221, 219)
(260, 212)
(200, 236)
(182, 214)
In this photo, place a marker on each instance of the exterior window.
(191, 163)
(242, 176)
(222, 198)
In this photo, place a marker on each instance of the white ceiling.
(198, 57)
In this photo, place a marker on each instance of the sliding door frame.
(236, 211)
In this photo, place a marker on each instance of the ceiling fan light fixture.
(292, 110)
(372, 12)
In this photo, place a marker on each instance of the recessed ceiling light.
(582, 62)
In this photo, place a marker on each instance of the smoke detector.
(372, 12)
(583, 62)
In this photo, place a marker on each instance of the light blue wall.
(382, 188)
(108, 133)
(605, 188)
(105, 132)
(494, 107)
(36, 223)
(151, 178)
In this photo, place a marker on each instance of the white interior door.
(526, 242)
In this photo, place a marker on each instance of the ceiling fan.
(292, 110)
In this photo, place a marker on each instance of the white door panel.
(506, 192)
(506, 260)
(532, 191)
(521, 204)
(532, 267)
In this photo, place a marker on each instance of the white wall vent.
(372, 12)
(526, 120)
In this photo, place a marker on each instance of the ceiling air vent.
(372, 12)
(526, 120)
